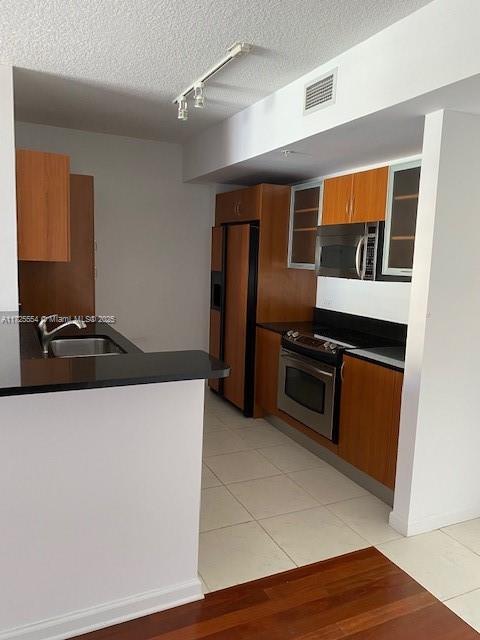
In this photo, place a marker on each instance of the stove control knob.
(326, 345)
(289, 333)
(333, 346)
(295, 334)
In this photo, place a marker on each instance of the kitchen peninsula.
(101, 506)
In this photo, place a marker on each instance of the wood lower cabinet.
(369, 418)
(43, 206)
(355, 197)
(266, 372)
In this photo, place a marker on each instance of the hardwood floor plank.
(359, 596)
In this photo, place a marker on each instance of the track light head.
(182, 108)
(199, 95)
(197, 88)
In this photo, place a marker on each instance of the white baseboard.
(430, 523)
(398, 523)
(105, 615)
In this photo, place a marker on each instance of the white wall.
(152, 233)
(382, 300)
(8, 210)
(396, 65)
(99, 506)
(438, 471)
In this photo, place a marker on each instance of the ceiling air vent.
(320, 93)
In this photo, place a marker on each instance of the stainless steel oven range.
(309, 380)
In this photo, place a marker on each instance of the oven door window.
(305, 389)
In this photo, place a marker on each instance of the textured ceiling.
(114, 66)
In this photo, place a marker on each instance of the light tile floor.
(269, 504)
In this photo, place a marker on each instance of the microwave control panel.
(370, 257)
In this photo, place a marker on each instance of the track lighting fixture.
(182, 108)
(199, 95)
(198, 87)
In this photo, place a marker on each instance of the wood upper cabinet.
(65, 288)
(337, 200)
(240, 205)
(369, 195)
(369, 418)
(356, 197)
(43, 206)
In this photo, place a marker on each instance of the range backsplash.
(372, 326)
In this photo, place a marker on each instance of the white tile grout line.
(258, 521)
(460, 595)
(449, 535)
(259, 524)
(286, 474)
(293, 442)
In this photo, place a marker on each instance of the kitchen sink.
(84, 346)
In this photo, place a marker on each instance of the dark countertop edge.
(37, 374)
(104, 384)
(376, 359)
(281, 327)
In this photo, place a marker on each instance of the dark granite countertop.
(378, 349)
(281, 327)
(392, 357)
(24, 370)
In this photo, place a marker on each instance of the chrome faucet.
(46, 336)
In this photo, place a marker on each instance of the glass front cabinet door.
(401, 219)
(304, 219)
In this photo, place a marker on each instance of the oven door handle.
(358, 254)
(300, 364)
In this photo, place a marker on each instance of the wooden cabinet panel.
(369, 418)
(249, 203)
(266, 373)
(217, 249)
(284, 294)
(215, 335)
(65, 288)
(241, 205)
(236, 294)
(357, 197)
(369, 195)
(337, 200)
(225, 207)
(43, 211)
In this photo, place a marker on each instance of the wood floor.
(361, 596)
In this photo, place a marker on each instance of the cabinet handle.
(341, 371)
(352, 204)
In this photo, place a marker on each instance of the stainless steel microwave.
(348, 250)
